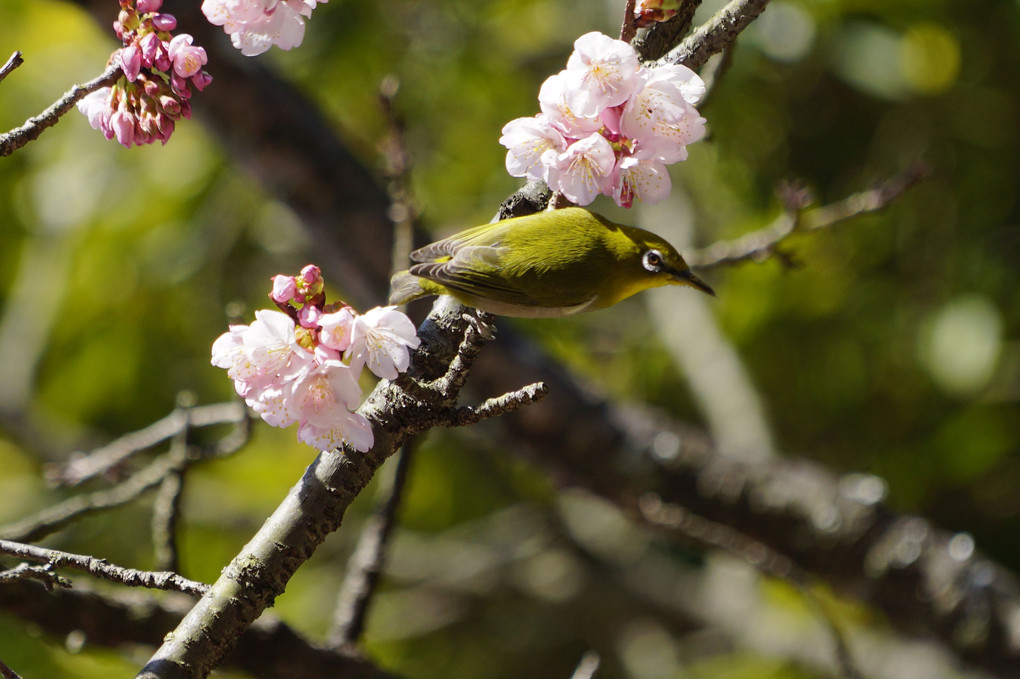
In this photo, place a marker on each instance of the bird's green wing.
(490, 235)
(474, 271)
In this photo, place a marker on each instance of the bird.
(548, 264)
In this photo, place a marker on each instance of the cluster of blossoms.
(159, 70)
(608, 125)
(302, 363)
(256, 25)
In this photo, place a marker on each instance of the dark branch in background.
(167, 504)
(269, 649)
(366, 563)
(762, 244)
(7, 673)
(56, 517)
(84, 466)
(12, 63)
(101, 569)
(402, 211)
(34, 126)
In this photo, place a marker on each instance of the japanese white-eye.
(551, 263)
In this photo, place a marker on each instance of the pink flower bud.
(201, 80)
(149, 44)
(151, 88)
(123, 125)
(164, 22)
(145, 6)
(179, 86)
(170, 106)
(162, 60)
(308, 316)
(310, 275)
(284, 288)
(131, 62)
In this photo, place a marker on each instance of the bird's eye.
(652, 261)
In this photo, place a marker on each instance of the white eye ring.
(652, 261)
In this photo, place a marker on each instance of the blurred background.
(887, 345)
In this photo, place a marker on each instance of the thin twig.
(671, 518)
(759, 245)
(7, 673)
(402, 211)
(628, 29)
(588, 666)
(43, 574)
(101, 569)
(498, 405)
(54, 518)
(366, 564)
(12, 63)
(34, 126)
(84, 466)
(716, 34)
(714, 72)
(167, 504)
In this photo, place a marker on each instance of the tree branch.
(716, 34)
(101, 569)
(34, 126)
(316, 505)
(366, 564)
(12, 63)
(759, 245)
(7, 673)
(269, 649)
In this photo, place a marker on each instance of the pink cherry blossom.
(584, 169)
(382, 339)
(527, 141)
(335, 329)
(607, 71)
(554, 98)
(96, 107)
(645, 180)
(187, 58)
(256, 25)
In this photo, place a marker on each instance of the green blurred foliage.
(892, 347)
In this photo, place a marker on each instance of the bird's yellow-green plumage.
(551, 263)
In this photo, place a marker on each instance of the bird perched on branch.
(548, 264)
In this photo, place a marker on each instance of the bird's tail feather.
(405, 287)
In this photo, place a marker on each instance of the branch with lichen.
(100, 568)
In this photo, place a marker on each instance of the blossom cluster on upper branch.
(608, 125)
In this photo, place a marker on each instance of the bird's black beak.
(687, 277)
